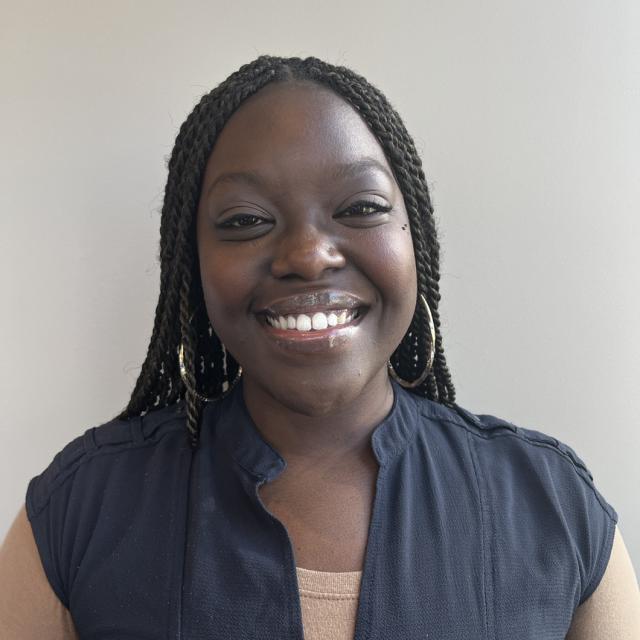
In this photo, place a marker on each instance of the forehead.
(296, 132)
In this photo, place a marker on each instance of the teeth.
(316, 322)
(319, 321)
(303, 322)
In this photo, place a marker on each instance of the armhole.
(604, 557)
(34, 609)
(43, 543)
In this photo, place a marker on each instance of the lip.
(310, 302)
(331, 339)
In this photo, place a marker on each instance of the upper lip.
(312, 301)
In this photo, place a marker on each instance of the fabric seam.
(184, 514)
(50, 571)
(374, 536)
(106, 449)
(315, 595)
(521, 436)
(604, 556)
(486, 555)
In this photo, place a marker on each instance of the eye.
(243, 225)
(243, 221)
(364, 209)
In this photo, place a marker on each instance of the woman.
(292, 458)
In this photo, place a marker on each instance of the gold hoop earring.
(432, 350)
(194, 391)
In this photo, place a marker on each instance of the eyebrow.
(343, 171)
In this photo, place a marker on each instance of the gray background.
(525, 114)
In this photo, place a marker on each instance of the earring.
(432, 349)
(183, 375)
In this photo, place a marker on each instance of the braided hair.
(180, 313)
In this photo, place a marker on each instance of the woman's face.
(308, 287)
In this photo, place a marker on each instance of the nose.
(305, 252)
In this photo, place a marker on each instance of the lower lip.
(313, 341)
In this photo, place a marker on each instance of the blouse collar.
(239, 435)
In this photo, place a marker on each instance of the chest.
(211, 554)
(327, 520)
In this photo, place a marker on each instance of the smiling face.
(305, 250)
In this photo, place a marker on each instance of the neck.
(342, 432)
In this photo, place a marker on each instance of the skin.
(318, 409)
(330, 433)
(30, 609)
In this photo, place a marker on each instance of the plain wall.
(525, 114)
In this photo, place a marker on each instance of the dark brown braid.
(180, 313)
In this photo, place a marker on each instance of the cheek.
(394, 271)
(225, 285)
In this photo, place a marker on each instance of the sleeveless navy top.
(480, 529)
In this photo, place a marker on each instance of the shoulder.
(100, 483)
(106, 448)
(501, 444)
(530, 486)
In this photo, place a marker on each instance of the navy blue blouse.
(480, 529)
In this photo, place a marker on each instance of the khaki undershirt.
(329, 603)
(30, 609)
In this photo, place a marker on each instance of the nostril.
(306, 259)
(288, 276)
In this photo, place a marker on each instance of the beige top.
(30, 609)
(329, 603)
